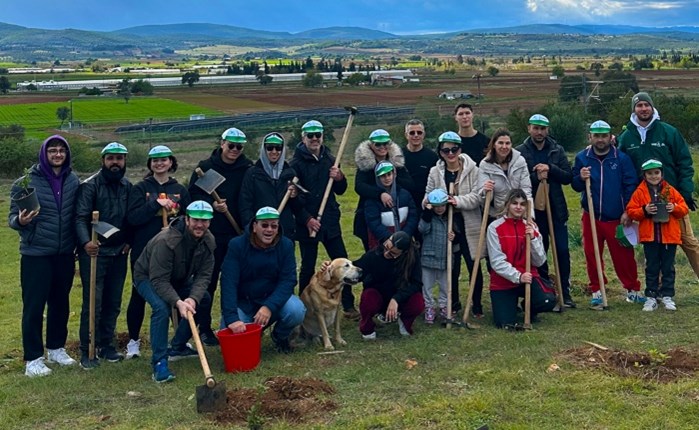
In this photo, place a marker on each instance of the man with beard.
(107, 192)
(230, 162)
(546, 159)
(473, 142)
(613, 180)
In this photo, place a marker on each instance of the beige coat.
(517, 176)
(468, 201)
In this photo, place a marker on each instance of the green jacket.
(665, 144)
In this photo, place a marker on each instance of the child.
(660, 239)
(433, 226)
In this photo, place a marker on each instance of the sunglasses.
(380, 144)
(232, 146)
(452, 150)
(267, 225)
(416, 132)
(314, 135)
(271, 148)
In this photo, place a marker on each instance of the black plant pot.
(26, 199)
(662, 215)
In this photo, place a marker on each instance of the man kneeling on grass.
(174, 270)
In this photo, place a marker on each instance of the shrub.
(15, 155)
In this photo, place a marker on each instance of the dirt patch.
(654, 365)
(281, 398)
(122, 339)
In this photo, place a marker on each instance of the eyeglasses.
(55, 151)
(380, 144)
(271, 148)
(452, 150)
(232, 146)
(314, 135)
(416, 132)
(266, 225)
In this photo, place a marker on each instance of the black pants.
(563, 252)
(660, 260)
(335, 247)
(109, 285)
(219, 254)
(506, 303)
(46, 283)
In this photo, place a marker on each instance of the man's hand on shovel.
(186, 305)
(220, 206)
(92, 248)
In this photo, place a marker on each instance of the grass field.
(463, 378)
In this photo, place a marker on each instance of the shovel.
(211, 397)
(208, 182)
(287, 195)
(477, 261)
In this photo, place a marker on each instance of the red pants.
(373, 303)
(622, 258)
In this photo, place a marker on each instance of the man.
(613, 180)
(230, 162)
(47, 262)
(418, 159)
(546, 159)
(174, 270)
(258, 278)
(314, 166)
(473, 142)
(107, 192)
(647, 137)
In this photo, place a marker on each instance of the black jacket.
(220, 227)
(560, 173)
(313, 174)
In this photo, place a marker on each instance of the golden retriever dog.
(322, 300)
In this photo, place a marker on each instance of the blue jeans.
(160, 319)
(289, 317)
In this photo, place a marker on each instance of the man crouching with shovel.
(174, 270)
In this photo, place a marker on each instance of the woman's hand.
(488, 185)
(387, 200)
(392, 311)
(451, 236)
(525, 278)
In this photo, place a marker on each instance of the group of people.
(182, 240)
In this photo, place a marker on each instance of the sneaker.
(110, 354)
(370, 336)
(161, 373)
(476, 311)
(401, 328)
(37, 368)
(596, 299)
(133, 349)
(61, 357)
(179, 354)
(669, 304)
(88, 364)
(569, 303)
(443, 313)
(430, 314)
(635, 297)
(351, 314)
(650, 305)
(282, 345)
(208, 337)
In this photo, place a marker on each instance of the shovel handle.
(528, 268)
(287, 195)
(217, 198)
(595, 243)
(163, 210)
(210, 381)
(93, 282)
(450, 262)
(477, 257)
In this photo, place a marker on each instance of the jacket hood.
(656, 117)
(365, 159)
(44, 161)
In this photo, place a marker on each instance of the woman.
(148, 199)
(508, 274)
(459, 169)
(392, 285)
(266, 183)
(502, 170)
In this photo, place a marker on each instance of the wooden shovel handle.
(595, 243)
(477, 257)
(217, 198)
(210, 381)
(163, 210)
(93, 282)
(527, 268)
(450, 262)
(287, 195)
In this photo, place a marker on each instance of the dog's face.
(342, 270)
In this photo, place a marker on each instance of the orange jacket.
(670, 231)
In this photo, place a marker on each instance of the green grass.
(100, 111)
(463, 379)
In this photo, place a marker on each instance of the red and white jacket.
(506, 248)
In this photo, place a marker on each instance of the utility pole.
(584, 88)
(70, 124)
(477, 76)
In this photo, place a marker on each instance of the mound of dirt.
(284, 398)
(653, 365)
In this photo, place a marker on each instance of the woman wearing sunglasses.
(266, 183)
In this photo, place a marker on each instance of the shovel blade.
(105, 229)
(210, 181)
(211, 399)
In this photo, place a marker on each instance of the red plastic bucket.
(241, 351)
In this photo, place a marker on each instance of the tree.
(355, 79)
(264, 79)
(493, 71)
(4, 84)
(558, 71)
(190, 78)
(62, 113)
(124, 89)
(312, 79)
(142, 87)
(596, 67)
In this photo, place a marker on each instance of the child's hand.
(651, 208)
(451, 236)
(670, 207)
(428, 207)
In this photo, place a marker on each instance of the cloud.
(589, 10)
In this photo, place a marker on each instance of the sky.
(393, 16)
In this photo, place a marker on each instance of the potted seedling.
(26, 197)
(660, 201)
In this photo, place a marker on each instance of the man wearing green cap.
(546, 159)
(647, 137)
(174, 271)
(230, 162)
(613, 180)
(258, 279)
(107, 192)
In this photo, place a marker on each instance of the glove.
(691, 204)
(427, 215)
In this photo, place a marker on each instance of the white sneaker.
(650, 305)
(133, 349)
(370, 336)
(61, 357)
(37, 368)
(669, 304)
(401, 328)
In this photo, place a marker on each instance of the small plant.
(255, 417)
(657, 358)
(24, 180)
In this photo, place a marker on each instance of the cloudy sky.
(394, 16)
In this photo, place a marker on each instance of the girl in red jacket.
(660, 236)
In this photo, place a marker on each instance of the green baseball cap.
(160, 151)
(538, 119)
(200, 209)
(651, 164)
(600, 127)
(234, 135)
(450, 137)
(267, 213)
(273, 139)
(312, 126)
(383, 168)
(379, 136)
(114, 148)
